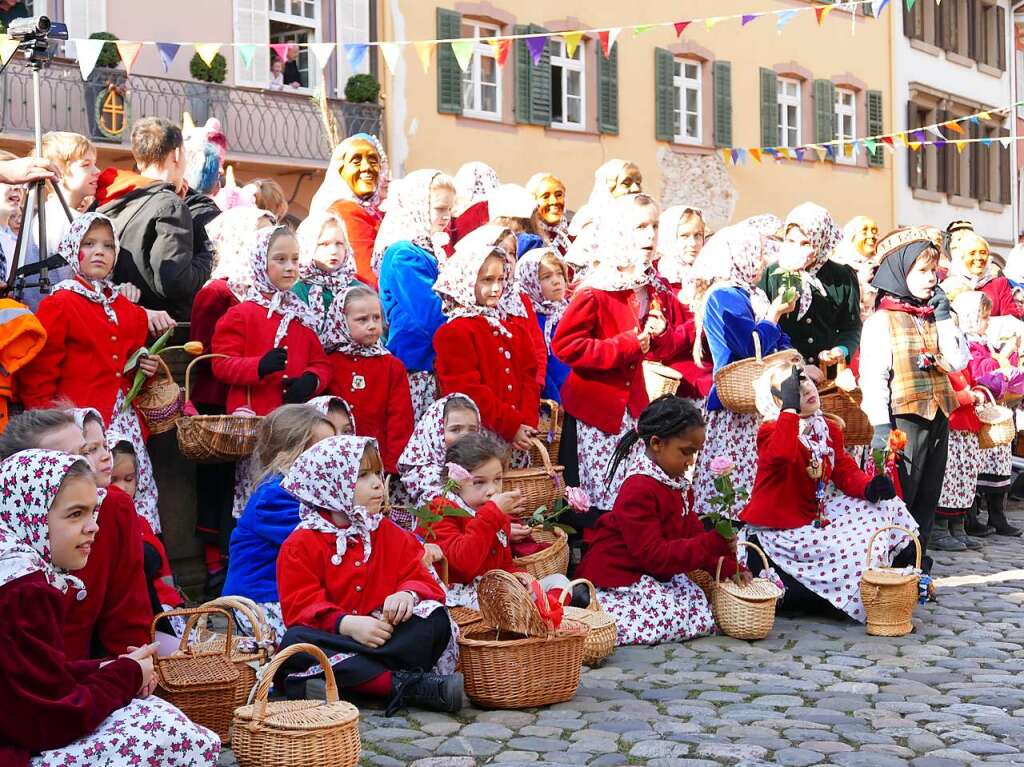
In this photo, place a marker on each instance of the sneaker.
(433, 692)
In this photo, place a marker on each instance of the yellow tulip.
(195, 348)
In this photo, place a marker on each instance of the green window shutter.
(769, 107)
(824, 111)
(1004, 166)
(722, 86)
(1001, 38)
(449, 76)
(664, 128)
(875, 127)
(607, 90)
(523, 65)
(540, 83)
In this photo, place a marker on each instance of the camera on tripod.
(38, 36)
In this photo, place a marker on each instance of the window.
(297, 21)
(686, 101)
(568, 84)
(353, 26)
(846, 123)
(789, 112)
(914, 21)
(481, 82)
(919, 159)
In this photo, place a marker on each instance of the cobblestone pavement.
(815, 692)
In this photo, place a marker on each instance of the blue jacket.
(412, 308)
(729, 327)
(558, 371)
(269, 517)
(527, 242)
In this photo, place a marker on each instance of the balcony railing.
(258, 123)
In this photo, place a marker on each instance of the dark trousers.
(921, 470)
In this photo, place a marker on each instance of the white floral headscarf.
(612, 249)
(528, 277)
(580, 255)
(81, 413)
(407, 217)
(308, 235)
(557, 235)
(967, 306)
(264, 293)
(456, 285)
(474, 181)
(335, 188)
(640, 463)
(422, 459)
(734, 257)
(492, 235)
(824, 235)
(336, 335)
(670, 254)
(605, 178)
(102, 292)
(29, 482)
(323, 478)
(323, 405)
(233, 234)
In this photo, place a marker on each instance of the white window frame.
(353, 26)
(785, 100)
(681, 84)
(841, 111)
(82, 17)
(481, 50)
(315, 27)
(577, 65)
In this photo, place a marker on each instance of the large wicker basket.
(296, 733)
(734, 383)
(199, 681)
(998, 426)
(659, 379)
(603, 631)
(549, 561)
(744, 612)
(464, 617)
(550, 428)
(160, 400)
(215, 438)
(846, 405)
(540, 485)
(889, 594)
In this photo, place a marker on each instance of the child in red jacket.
(353, 583)
(639, 553)
(370, 378)
(815, 536)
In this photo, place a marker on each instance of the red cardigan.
(597, 338)
(361, 226)
(784, 494)
(84, 353)
(497, 372)
(245, 334)
(473, 217)
(965, 417)
(1003, 303)
(116, 612)
(377, 388)
(530, 327)
(50, 700)
(319, 594)
(211, 303)
(650, 531)
(473, 545)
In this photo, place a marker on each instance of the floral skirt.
(243, 486)
(733, 436)
(652, 611)
(127, 426)
(423, 390)
(148, 732)
(275, 620)
(594, 452)
(963, 462)
(995, 469)
(829, 560)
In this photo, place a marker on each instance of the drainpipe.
(1011, 65)
(893, 112)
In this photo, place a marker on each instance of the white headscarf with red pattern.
(102, 292)
(456, 285)
(422, 459)
(336, 334)
(407, 216)
(264, 293)
(308, 235)
(528, 277)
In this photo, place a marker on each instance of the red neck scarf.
(894, 304)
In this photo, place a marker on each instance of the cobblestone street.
(814, 692)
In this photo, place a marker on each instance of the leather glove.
(880, 488)
(880, 439)
(273, 361)
(789, 390)
(300, 389)
(940, 303)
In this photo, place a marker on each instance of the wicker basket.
(464, 617)
(846, 405)
(744, 612)
(540, 486)
(603, 631)
(889, 595)
(550, 428)
(550, 561)
(734, 383)
(296, 733)
(704, 580)
(998, 426)
(215, 438)
(659, 379)
(160, 400)
(199, 681)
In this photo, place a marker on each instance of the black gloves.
(880, 488)
(789, 390)
(273, 361)
(940, 303)
(880, 439)
(300, 389)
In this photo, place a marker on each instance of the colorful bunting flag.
(322, 53)
(748, 17)
(424, 49)
(502, 47)
(463, 50)
(902, 138)
(1005, 141)
(735, 156)
(822, 11)
(887, 140)
(984, 115)
(871, 145)
(710, 22)
(784, 18)
(280, 50)
(87, 51)
(953, 126)
(207, 51)
(391, 53)
(799, 151)
(822, 153)
(910, 5)
(974, 120)
(756, 154)
(986, 141)
(607, 38)
(830, 152)
(168, 52)
(536, 45)
(680, 26)
(639, 29)
(572, 42)
(914, 145)
(129, 53)
(726, 156)
(7, 49)
(960, 146)
(919, 135)
(246, 52)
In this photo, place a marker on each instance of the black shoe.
(973, 525)
(997, 516)
(956, 529)
(433, 692)
(580, 596)
(943, 540)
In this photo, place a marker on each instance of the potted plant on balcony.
(199, 92)
(107, 72)
(360, 90)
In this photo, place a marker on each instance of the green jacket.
(301, 289)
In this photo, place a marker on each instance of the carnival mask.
(865, 239)
(630, 181)
(550, 198)
(361, 168)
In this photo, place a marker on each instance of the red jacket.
(361, 226)
(1003, 303)
(84, 353)
(697, 379)
(212, 302)
(245, 334)
(377, 388)
(530, 327)
(50, 699)
(318, 594)
(784, 494)
(473, 217)
(497, 372)
(116, 612)
(597, 338)
(473, 545)
(964, 418)
(650, 531)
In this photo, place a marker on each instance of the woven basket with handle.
(734, 382)
(215, 438)
(603, 631)
(998, 426)
(889, 595)
(540, 485)
(200, 681)
(548, 561)
(744, 612)
(550, 429)
(296, 733)
(846, 405)
(160, 400)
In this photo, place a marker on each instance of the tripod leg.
(44, 280)
(63, 202)
(11, 276)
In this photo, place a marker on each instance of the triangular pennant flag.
(974, 120)
(607, 39)
(935, 129)
(128, 52)
(423, 50)
(986, 141)
(391, 53)
(822, 153)
(910, 5)
(322, 53)
(710, 22)
(784, 18)
(953, 126)
(463, 50)
(536, 45)
(830, 150)
(7, 49)
(960, 146)
(207, 51)
(877, 6)
(940, 142)
(822, 11)
(984, 115)
(747, 18)
(572, 42)
(726, 156)
(887, 140)
(786, 153)
(919, 135)
(902, 138)
(735, 156)
(870, 145)
(679, 26)
(246, 52)
(799, 153)
(639, 29)
(1005, 141)
(87, 51)
(914, 145)
(168, 52)
(355, 55)
(756, 154)
(280, 50)
(501, 49)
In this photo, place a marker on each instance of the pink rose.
(457, 473)
(577, 498)
(721, 466)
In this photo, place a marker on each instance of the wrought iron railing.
(275, 124)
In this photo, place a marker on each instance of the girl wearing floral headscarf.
(353, 584)
(273, 355)
(371, 379)
(58, 711)
(326, 262)
(543, 276)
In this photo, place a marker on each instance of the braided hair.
(666, 417)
